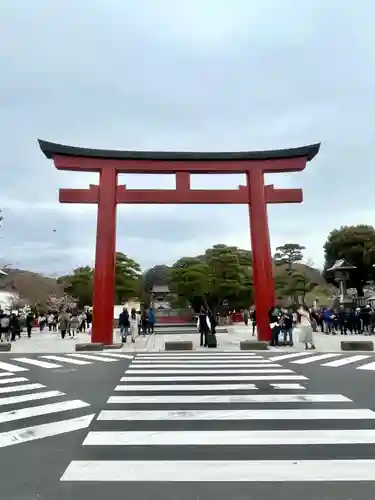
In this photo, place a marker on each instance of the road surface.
(215, 426)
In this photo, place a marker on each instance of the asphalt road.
(177, 441)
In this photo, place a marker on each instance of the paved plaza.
(229, 340)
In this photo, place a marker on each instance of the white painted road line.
(12, 368)
(193, 362)
(12, 380)
(231, 398)
(368, 366)
(34, 411)
(289, 356)
(37, 362)
(6, 374)
(288, 386)
(319, 357)
(93, 357)
(220, 471)
(116, 354)
(211, 415)
(196, 357)
(20, 388)
(65, 359)
(346, 361)
(30, 397)
(132, 371)
(44, 430)
(153, 355)
(212, 378)
(213, 367)
(183, 387)
(230, 438)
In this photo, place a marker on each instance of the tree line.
(222, 276)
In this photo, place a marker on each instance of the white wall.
(7, 299)
(117, 310)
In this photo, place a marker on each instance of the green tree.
(221, 273)
(157, 275)
(188, 280)
(79, 285)
(127, 278)
(355, 244)
(289, 254)
(295, 285)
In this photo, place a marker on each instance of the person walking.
(204, 326)
(274, 319)
(123, 323)
(15, 327)
(29, 323)
(151, 318)
(74, 325)
(144, 322)
(287, 326)
(306, 332)
(133, 325)
(63, 323)
(253, 317)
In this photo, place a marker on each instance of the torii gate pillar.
(108, 194)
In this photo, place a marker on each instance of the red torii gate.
(108, 194)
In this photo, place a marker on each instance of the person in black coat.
(274, 318)
(203, 327)
(15, 327)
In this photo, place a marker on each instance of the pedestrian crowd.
(330, 321)
(136, 323)
(67, 322)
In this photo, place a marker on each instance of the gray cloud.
(213, 75)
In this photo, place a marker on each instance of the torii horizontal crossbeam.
(173, 196)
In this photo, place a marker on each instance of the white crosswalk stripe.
(54, 361)
(346, 361)
(221, 471)
(292, 387)
(209, 365)
(228, 438)
(231, 398)
(12, 380)
(186, 387)
(93, 357)
(198, 371)
(116, 355)
(37, 362)
(20, 388)
(313, 359)
(358, 361)
(23, 403)
(211, 378)
(44, 430)
(67, 359)
(12, 368)
(208, 415)
(369, 366)
(182, 419)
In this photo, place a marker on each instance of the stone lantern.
(341, 271)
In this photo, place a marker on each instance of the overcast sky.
(183, 75)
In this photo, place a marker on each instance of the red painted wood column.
(261, 251)
(104, 276)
